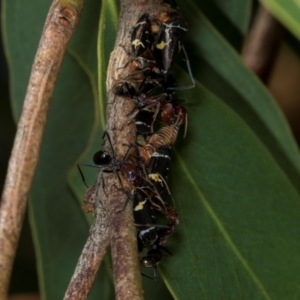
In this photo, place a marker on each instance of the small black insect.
(144, 120)
(153, 257)
(109, 164)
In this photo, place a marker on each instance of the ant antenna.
(105, 134)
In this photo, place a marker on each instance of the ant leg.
(149, 277)
(119, 178)
(190, 73)
(110, 143)
(189, 67)
(104, 134)
(185, 125)
(129, 148)
(82, 176)
(129, 197)
(88, 165)
(157, 109)
(154, 274)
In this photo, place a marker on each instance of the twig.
(262, 44)
(127, 278)
(60, 24)
(95, 247)
(111, 197)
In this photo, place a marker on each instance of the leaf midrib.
(223, 230)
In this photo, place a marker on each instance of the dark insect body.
(144, 216)
(110, 164)
(168, 41)
(155, 42)
(158, 171)
(156, 39)
(153, 257)
(144, 121)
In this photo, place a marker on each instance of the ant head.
(152, 259)
(102, 158)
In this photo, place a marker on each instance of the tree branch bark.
(61, 21)
(95, 247)
(109, 200)
(127, 277)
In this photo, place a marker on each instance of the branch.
(111, 198)
(60, 25)
(126, 268)
(95, 247)
(262, 44)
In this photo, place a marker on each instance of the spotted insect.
(144, 216)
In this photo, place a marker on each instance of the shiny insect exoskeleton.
(141, 39)
(162, 33)
(158, 170)
(163, 107)
(148, 109)
(144, 216)
(110, 164)
(144, 121)
(153, 257)
(168, 40)
(155, 42)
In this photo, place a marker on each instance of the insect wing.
(143, 213)
(167, 43)
(143, 121)
(159, 170)
(140, 35)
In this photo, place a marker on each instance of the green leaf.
(230, 18)
(239, 213)
(59, 225)
(287, 12)
(238, 12)
(234, 178)
(221, 70)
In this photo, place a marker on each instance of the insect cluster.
(158, 115)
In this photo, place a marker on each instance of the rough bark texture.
(60, 24)
(95, 247)
(123, 234)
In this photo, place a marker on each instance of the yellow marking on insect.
(137, 43)
(140, 206)
(155, 177)
(161, 45)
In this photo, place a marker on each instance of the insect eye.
(102, 158)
